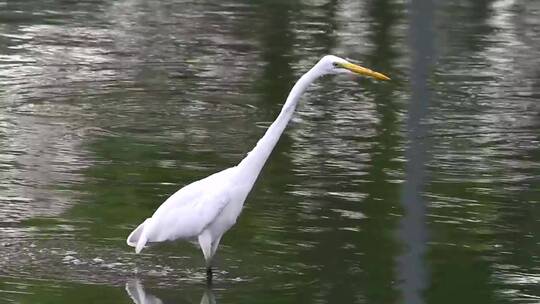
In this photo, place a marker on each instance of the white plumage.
(207, 208)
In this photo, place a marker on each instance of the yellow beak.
(363, 71)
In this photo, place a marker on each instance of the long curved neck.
(251, 166)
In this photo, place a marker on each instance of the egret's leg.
(205, 241)
(209, 275)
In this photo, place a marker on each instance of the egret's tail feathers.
(135, 235)
(140, 243)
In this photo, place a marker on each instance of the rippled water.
(424, 189)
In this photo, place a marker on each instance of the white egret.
(207, 208)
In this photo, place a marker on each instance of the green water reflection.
(109, 107)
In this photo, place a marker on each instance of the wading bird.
(207, 208)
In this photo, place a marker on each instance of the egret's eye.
(335, 64)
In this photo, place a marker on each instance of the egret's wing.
(187, 220)
(190, 193)
(188, 211)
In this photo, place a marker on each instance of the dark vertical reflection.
(412, 231)
(277, 39)
(327, 39)
(277, 78)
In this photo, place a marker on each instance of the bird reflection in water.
(136, 292)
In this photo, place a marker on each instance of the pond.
(422, 189)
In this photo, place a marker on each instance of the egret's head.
(330, 64)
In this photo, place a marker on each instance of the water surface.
(424, 189)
